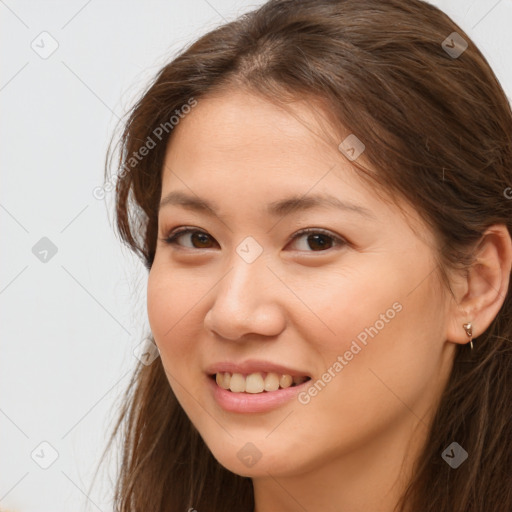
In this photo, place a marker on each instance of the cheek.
(371, 316)
(345, 306)
(171, 309)
(159, 304)
(388, 341)
(171, 306)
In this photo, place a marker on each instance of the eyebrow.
(279, 208)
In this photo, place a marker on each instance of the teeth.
(256, 382)
(223, 380)
(285, 381)
(237, 383)
(272, 382)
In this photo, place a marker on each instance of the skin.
(351, 447)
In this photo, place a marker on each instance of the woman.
(320, 191)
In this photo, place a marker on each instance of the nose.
(246, 302)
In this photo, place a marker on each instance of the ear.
(481, 293)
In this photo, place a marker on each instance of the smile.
(258, 382)
(255, 392)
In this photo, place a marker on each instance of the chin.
(257, 459)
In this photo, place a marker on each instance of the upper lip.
(252, 366)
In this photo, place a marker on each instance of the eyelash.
(174, 235)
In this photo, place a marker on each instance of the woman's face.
(354, 305)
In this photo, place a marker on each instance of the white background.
(69, 326)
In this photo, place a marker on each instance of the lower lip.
(253, 402)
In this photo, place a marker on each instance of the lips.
(255, 376)
(240, 402)
(253, 366)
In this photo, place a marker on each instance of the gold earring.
(469, 331)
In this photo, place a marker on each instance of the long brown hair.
(438, 128)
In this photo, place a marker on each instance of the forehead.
(240, 136)
(243, 147)
(242, 124)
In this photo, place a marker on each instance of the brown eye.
(317, 240)
(199, 239)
